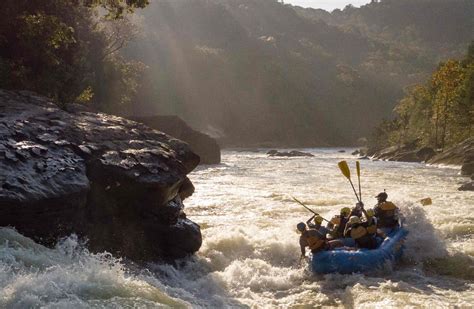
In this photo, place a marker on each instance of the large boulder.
(467, 169)
(202, 144)
(113, 181)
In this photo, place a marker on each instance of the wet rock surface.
(202, 144)
(115, 182)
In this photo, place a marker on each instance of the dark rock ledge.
(113, 181)
(202, 144)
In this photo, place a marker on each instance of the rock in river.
(293, 153)
(202, 144)
(113, 181)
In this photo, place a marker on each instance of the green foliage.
(61, 49)
(439, 113)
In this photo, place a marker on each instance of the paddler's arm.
(308, 223)
(303, 247)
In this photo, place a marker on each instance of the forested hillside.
(251, 72)
(260, 72)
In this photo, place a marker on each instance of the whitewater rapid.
(250, 252)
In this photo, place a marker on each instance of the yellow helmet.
(318, 219)
(345, 211)
(354, 219)
(370, 212)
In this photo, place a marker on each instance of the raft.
(362, 260)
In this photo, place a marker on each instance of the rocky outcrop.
(406, 153)
(456, 155)
(467, 186)
(460, 154)
(202, 144)
(293, 153)
(113, 181)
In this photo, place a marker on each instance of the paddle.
(347, 173)
(358, 176)
(302, 204)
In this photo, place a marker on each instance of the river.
(250, 252)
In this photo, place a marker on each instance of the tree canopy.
(66, 49)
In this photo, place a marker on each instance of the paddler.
(318, 220)
(387, 213)
(338, 223)
(371, 221)
(311, 238)
(357, 230)
(357, 210)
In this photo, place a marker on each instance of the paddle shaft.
(302, 204)
(360, 192)
(355, 192)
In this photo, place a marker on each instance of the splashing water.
(250, 252)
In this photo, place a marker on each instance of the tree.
(59, 48)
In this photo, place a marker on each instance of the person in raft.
(387, 213)
(311, 238)
(358, 230)
(338, 223)
(317, 225)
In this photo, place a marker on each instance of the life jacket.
(336, 220)
(386, 213)
(359, 233)
(372, 226)
(314, 240)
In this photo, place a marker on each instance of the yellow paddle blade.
(358, 168)
(344, 169)
(426, 201)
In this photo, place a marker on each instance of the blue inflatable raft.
(363, 260)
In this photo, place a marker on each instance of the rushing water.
(250, 253)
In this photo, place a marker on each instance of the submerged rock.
(293, 153)
(113, 181)
(202, 144)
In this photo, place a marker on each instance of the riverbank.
(461, 155)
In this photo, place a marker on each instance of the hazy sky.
(327, 5)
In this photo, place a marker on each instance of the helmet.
(345, 211)
(382, 196)
(301, 226)
(354, 219)
(370, 212)
(318, 219)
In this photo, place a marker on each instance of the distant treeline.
(438, 113)
(249, 71)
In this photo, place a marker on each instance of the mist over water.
(250, 253)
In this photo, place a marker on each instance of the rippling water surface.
(250, 253)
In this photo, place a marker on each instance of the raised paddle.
(302, 204)
(358, 176)
(347, 173)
